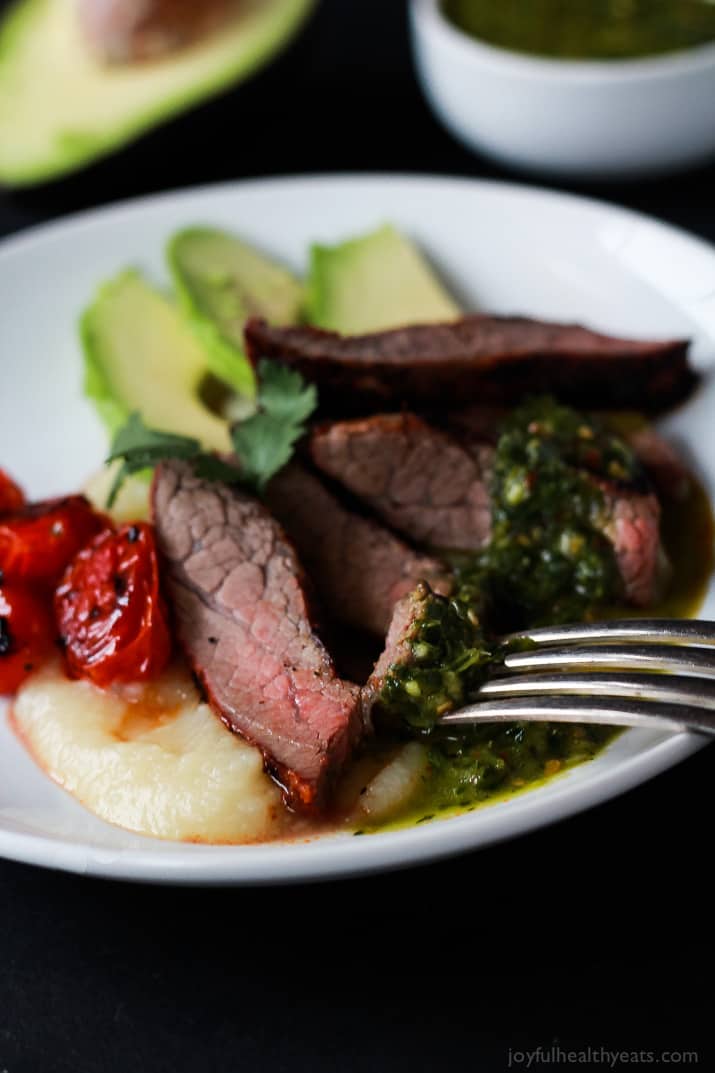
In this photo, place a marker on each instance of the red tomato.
(11, 496)
(26, 635)
(38, 542)
(109, 609)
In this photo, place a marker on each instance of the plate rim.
(309, 861)
(27, 236)
(340, 856)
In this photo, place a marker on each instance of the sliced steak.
(632, 524)
(406, 619)
(435, 658)
(474, 425)
(422, 483)
(360, 569)
(632, 514)
(415, 477)
(243, 619)
(482, 359)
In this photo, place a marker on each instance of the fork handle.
(601, 711)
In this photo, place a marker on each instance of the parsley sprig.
(263, 442)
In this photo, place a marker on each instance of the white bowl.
(580, 118)
(502, 248)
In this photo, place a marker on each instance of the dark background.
(595, 932)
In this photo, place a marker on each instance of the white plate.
(501, 247)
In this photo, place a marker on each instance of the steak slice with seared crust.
(406, 618)
(422, 483)
(415, 477)
(359, 569)
(435, 658)
(242, 617)
(479, 358)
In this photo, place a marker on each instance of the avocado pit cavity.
(133, 31)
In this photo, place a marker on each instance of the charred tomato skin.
(109, 609)
(27, 635)
(38, 541)
(12, 498)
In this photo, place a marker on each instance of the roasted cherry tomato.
(38, 542)
(26, 634)
(11, 496)
(110, 613)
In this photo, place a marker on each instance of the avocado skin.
(372, 283)
(157, 91)
(220, 282)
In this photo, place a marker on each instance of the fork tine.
(670, 689)
(676, 658)
(615, 712)
(574, 675)
(655, 630)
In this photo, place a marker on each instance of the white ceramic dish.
(583, 119)
(506, 248)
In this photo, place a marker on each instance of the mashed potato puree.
(153, 759)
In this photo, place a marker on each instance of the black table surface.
(590, 934)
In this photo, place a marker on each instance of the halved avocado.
(61, 107)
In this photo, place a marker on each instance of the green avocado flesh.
(61, 107)
(221, 282)
(546, 563)
(141, 356)
(374, 282)
(587, 29)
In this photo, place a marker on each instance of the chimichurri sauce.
(549, 461)
(548, 560)
(450, 659)
(587, 29)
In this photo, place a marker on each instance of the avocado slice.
(220, 282)
(61, 107)
(372, 283)
(140, 355)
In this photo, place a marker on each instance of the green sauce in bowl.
(587, 29)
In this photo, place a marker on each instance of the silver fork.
(655, 673)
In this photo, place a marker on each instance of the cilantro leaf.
(283, 392)
(135, 437)
(264, 442)
(140, 447)
(212, 468)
